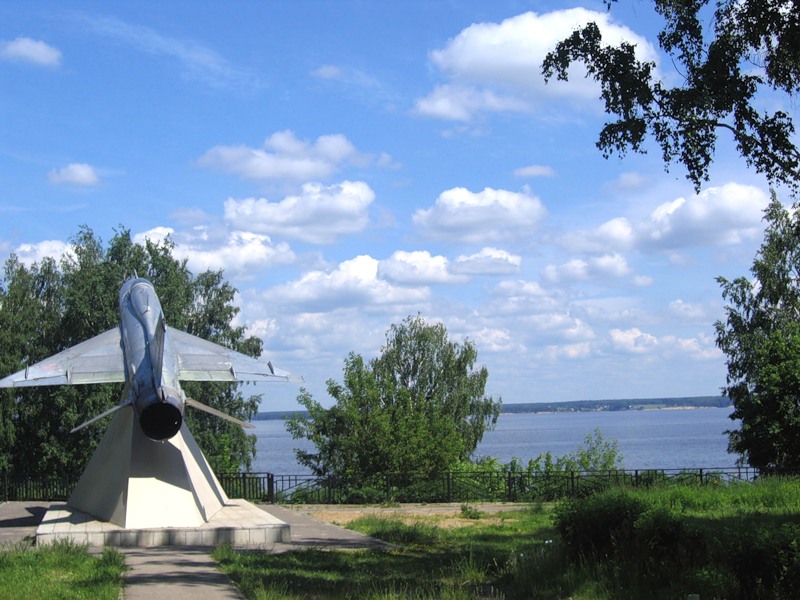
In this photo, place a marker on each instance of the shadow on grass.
(331, 574)
(430, 562)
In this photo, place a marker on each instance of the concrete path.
(19, 520)
(175, 574)
(178, 573)
(308, 532)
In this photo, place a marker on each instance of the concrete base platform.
(238, 523)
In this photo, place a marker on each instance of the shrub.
(766, 560)
(596, 524)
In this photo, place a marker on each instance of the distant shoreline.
(570, 406)
(557, 412)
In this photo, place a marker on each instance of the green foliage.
(577, 473)
(737, 541)
(761, 340)
(715, 47)
(594, 525)
(47, 307)
(417, 533)
(62, 570)
(417, 409)
(596, 454)
(470, 512)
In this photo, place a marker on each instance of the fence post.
(572, 483)
(270, 488)
(509, 487)
(701, 476)
(449, 487)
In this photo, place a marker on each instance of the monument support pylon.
(137, 483)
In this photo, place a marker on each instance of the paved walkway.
(19, 520)
(178, 573)
(308, 532)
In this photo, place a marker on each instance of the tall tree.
(47, 307)
(728, 53)
(761, 339)
(417, 409)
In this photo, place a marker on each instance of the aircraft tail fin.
(216, 413)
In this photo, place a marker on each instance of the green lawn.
(474, 560)
(730, 541)
(65, 571)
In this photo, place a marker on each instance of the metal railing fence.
(451, 486)
(472, 486)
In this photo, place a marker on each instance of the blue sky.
(352, 163)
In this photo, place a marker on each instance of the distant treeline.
(636, 404)
(571, 406)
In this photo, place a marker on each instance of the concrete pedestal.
(137, 483)
(238, 523)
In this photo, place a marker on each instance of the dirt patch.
(444, 515)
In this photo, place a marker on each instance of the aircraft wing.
(97, 360)
(201, 360)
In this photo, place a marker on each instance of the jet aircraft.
(151, 358)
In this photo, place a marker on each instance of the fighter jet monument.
(147, 471)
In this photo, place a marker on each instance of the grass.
(730, 541)
(431, 561)
(63, 570)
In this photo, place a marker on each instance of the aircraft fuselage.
(150, 364)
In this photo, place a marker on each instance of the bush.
(732, 542)
(596, 524)
(766, 560)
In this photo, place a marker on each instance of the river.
(648, 439)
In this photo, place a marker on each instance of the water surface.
(648, 439)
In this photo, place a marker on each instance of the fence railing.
(465, 486)
(473, 486)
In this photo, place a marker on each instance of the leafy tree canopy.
(417, 409)
(761, 339)
(728, 53)
(48, 307)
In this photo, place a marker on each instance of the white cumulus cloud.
(718, 216)
(78, 174)
(241, 254)
(492, 339)
(418, 268)
(354, 282)
(497, 66)
(24, 49)
(284, 156)
(477, 217)
(34, 253)
(319, 214)
(236, 252)
(633, 341)
(489, 261)
(460, 103)
(701, 347)
(604, 266)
